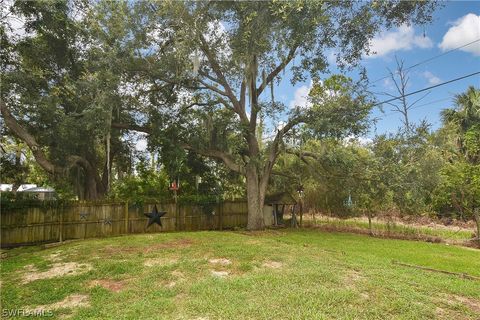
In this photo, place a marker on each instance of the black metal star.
(83, 215)
(154, 216)
(107, 221)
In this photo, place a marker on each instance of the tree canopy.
(198, 79)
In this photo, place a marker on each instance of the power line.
(416, 107)
(425, 89)
(431, 58)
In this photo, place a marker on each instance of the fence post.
(220, 215)
(477, 220)
(126, 217)
(178, 216)
(61, 223)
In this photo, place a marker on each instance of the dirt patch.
(55, 257)
(178, 274)
(159, 262)
(181, 297)
(471, 303)
(70, 302)
(220, 261)
(171, 284)
(111, 285)
(447, 306)
(365, 295)
(179, 243)
(351, 278)
(57, 270)
(272, 264)
(446, 314)
(219, 274)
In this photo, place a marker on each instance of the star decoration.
(154, 216)
(83, 215)
(107, 221)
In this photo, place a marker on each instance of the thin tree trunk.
(108, 161)
(370, 230)
(301, 213)
(476, 213)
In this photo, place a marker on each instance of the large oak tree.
(225, 58)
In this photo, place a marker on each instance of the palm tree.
(465, 119)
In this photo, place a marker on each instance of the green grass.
(321, 276)
(452, 234)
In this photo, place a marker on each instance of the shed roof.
(280, 198)
(40, 189)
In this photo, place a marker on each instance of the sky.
(454, 25)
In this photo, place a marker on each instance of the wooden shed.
(277, 202)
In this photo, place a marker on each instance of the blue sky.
(455, 24)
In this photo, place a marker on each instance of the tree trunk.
(255, 199)
(370, 230)
(301, 212)
(90, 187)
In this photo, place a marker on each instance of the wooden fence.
(34, 225)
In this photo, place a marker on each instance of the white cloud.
(300, 97)
(403, 38)
(357, 140)
(464, 30)
(388, 84)
(431, 78)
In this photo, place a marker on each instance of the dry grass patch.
(55, 257)
(159, 262)
(447, 306)
(57, 270)
(70, 302)
(220, 261)
(178, 274)
(178, 243)
(219, 274)
(352, 277)
(470, 303)
(272, 264)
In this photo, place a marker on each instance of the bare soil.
(57, 270)
(272, 264)
(220, 261)
(111, 285)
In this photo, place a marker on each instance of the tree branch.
(277, 70)
(37, 152)
(221, 79)
(267, 169)
(217, 154)
(133, 127)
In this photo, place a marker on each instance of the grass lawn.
(286, 274)
(450, 234)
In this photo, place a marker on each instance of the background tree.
(400, 78)
(63, 93)
(459, 189)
